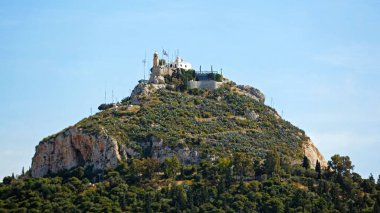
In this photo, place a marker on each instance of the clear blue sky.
(319, 61)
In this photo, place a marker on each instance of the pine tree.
(341, 164)
(123, 204)
(242, 165)
(318, 169)
(376, 207)
(371, 178)
(171, 166)
(306, 162)
(22, 171)
(272, 163)
(148, 202)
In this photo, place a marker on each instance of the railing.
(206, 75)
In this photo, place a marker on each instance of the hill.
(159, 122)
(168, 148)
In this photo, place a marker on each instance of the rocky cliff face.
(313, 154)
(73, 148)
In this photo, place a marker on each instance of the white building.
(179, 63)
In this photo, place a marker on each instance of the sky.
(317, 62)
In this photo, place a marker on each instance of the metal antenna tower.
(105, 96)
(112, 96)
(144, 62)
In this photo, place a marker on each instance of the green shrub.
(105, 106)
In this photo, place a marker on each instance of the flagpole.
(165, 53)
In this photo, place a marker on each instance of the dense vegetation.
(250, 160)
(232, 184)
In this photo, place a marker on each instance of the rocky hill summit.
(162, 119)
(186, 141)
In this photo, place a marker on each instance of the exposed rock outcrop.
(73, 148)
(252, 115)
(252, 92)
(313, 154)
(184, 154)
(144, 89)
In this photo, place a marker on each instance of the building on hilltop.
(203, 79)
(206, 80)
(161, 68)
(179, 63)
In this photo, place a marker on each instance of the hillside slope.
(158, 121)
(166, 149)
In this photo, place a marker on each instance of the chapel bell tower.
(155, 60)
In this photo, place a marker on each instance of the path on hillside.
(229, 131)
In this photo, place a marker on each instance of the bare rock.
(144, 89)
(73, 148)
(252, 115)
(274, 113)
(252, 92)
(159, 80)
(313, 154)
(161, 151)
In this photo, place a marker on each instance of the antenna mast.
(144, 62)
(105, 96)
(112, 96)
